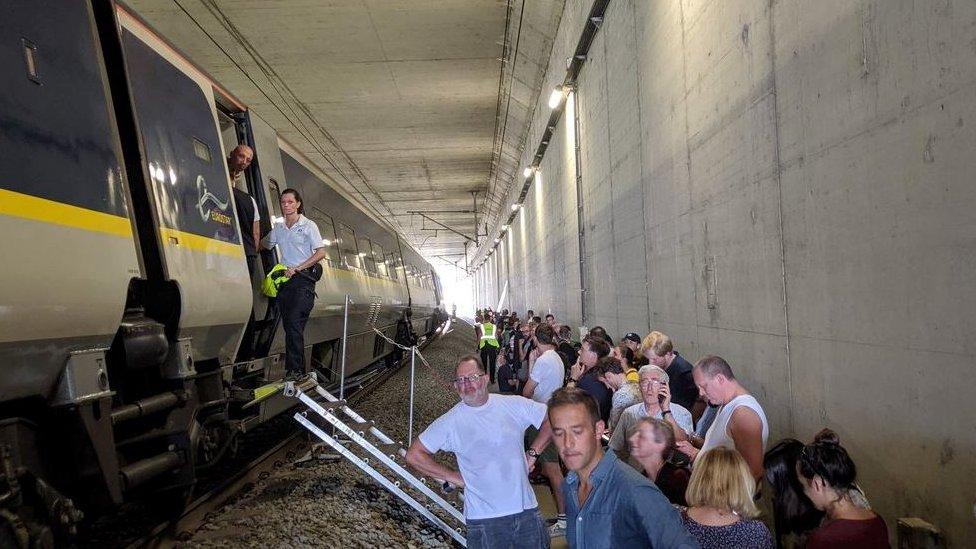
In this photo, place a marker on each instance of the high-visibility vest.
(488, 336)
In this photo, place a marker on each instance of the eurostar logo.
(207, 201)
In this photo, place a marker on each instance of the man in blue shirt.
(608, 503)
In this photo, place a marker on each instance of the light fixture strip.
(557, 98)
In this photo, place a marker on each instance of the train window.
(327, 228)
(379, 257)
(202, 150)
(347, 246)
(366, 255)
(391, 266)
(396, 266)
(228, 131)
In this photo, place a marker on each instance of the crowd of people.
(640, 448)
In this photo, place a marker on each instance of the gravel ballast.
(333, 503)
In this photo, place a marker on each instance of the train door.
(189, 193)
(268, 173)
(262, 181)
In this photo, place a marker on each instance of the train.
(125, 300)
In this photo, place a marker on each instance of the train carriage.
(126, 300)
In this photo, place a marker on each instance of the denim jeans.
(526, 529)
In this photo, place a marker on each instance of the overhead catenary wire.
(493, 169)
(271, 74)
(294, 120)
(436, 375)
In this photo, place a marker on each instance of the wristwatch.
(532, 452)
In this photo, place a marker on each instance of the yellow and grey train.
(125, 297)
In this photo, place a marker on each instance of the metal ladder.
(324, 407)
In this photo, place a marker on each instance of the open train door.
(263, 180)
(265, 185)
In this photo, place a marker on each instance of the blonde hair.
(662, 346)
(721, 479)
(649, 341)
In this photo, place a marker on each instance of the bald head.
(238, 161)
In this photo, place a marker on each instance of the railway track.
(172, 532)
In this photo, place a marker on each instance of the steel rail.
(173, 532)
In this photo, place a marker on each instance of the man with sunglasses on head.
(486, 432)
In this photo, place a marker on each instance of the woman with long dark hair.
(300, 248)
(794, 515)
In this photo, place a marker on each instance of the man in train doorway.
(249, 219)
(247, 208)
(485, 431)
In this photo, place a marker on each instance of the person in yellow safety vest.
(488, 345)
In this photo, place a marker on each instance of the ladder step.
(394, 486)
(332, 406)
(379, 449)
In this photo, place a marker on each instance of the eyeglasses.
(472, 379)
(648, 382)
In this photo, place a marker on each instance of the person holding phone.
(657, 404)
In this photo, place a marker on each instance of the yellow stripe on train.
(35, 208)
(195, 242)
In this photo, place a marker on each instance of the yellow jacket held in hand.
(272, 283)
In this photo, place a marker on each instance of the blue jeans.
(526, 529)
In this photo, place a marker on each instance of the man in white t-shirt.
(485, 432)
(545, 378)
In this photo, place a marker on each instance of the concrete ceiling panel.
(407, 88)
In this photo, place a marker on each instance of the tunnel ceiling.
(412, 103)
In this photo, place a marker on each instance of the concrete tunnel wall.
(788, 184)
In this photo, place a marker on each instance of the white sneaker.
(558, 529)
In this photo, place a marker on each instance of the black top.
(245, 217)
(673, 482)
(590, 383)
(681, 383)
(568, 353)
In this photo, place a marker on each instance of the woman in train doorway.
(301, 249)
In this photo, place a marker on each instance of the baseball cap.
(633, 337)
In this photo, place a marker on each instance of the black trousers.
(295, 299)
(488, 356)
